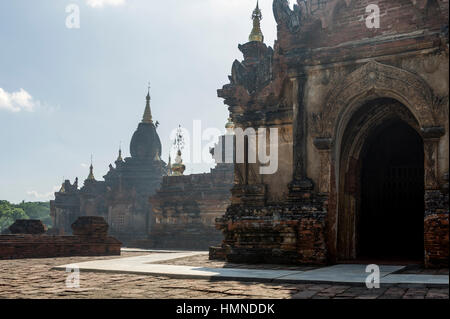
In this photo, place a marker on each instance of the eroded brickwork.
(436, 240)
(186, 207)
(90, 239)
(289, 234)
(28, 226)
(436, 227)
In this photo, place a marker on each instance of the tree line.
(25, 210)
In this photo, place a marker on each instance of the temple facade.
(361, 111)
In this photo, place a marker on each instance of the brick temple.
(362, 116)
(122, 198)
(146, 202)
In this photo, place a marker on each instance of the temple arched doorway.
(381, 184)
(392, 194)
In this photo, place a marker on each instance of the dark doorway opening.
(392, 194)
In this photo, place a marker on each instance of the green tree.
(25, 210)
(37, 210)
(9, 213)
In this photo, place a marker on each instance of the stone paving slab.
(184, 272)
(145, 265)
(346, 274)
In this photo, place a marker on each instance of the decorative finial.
(256, 34)
(230, 125)
(119, 158)
(179, 139)
(178, 168)
(91, 172)
(147, 118)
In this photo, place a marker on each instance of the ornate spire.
(178, 143)
(91, 172)
(145, 141)
(147, 118)
(256, 34)
(119, 158)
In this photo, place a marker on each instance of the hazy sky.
(68, 93)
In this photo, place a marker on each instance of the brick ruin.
(29, 240)
(362, 116)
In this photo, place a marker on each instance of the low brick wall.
(44, 246)
(91, 239)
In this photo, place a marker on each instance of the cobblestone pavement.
(33, 278)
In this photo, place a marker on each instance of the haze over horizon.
(68, 93)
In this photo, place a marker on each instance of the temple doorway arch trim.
(373, 81)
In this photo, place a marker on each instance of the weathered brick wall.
(311, 240)
(436, 229)
(273, 234)
(436, 240)
(44, 246)
(345, 23)
(90, 240)
(185, 210)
